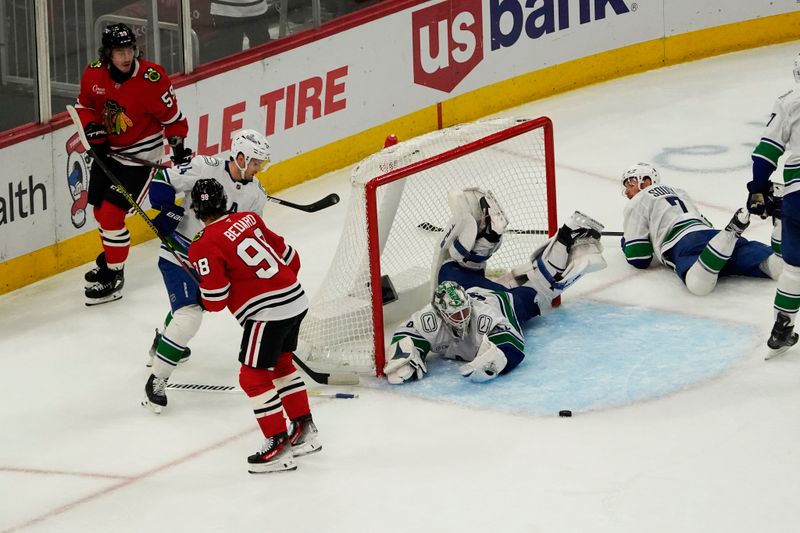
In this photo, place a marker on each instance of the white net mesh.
(337, 333)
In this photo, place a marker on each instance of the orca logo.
(448, 42)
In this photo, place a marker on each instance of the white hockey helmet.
(796, 70)
(452, 303)
(252, 145)
(641, 171)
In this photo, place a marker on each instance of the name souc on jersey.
(137, 113)
(242, 196)
(248, 269)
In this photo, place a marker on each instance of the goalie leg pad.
(488, 363)
(406, 363)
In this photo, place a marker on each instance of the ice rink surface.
(680, 424)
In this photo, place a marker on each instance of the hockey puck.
(566, 413)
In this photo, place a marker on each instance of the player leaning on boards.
(127, 106)
(781, 135)
(663, 221)
(251, 270)
(249, 154)
(477, 320)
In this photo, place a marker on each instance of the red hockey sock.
(113, 233)
(291, 387)
(257, 383)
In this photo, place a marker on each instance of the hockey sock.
(113, 234)
(776, 238)
(257, 383)
(291, 387)
(772, 266)
(182, 326)
(787, 295)
(702, 276)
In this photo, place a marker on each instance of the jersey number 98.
(255, 252)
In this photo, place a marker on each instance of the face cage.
(459, 319)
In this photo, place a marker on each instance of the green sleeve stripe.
(768, 151)
(639, 250)
(508, 309)
(421, 344)
(507, 338)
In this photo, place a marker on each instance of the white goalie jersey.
(655, 219)
(242, 196)
(492, 315)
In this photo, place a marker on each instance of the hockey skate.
(304, 436)
(92, 276)
(579, 226)
(155, 394)
(274, 456)
(739, 222)
(107, 288)
(782, 337)
(187, 353)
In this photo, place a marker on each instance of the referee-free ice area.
(679, 424)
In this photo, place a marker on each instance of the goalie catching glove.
(406, 363)
(488, 363)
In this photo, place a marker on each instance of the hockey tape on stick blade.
(233, 389)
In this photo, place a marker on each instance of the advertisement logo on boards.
(78, 161)
(447, 42)
(447, 37)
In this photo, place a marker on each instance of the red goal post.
(397, 215)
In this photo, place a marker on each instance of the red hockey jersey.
(248, 268)
(137, 113)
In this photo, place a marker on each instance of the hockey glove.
(168, 219)
(406, 363)
(494, 220)
(180, 154)
(488, 363)
(97, 137)
(759, 198)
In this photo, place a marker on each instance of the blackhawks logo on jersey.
(199, 234)
(97, 63)
(115, 119)
(152, 74)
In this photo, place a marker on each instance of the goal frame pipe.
(372, 209)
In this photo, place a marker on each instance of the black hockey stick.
(324, 378)
(427, 226)
(331, 199)
(73, 114)
(328, 201)
(233, 389)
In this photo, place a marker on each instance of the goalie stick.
(73, 114)
(427, 226)
(233, 389)
(324, 378)
(331, 199)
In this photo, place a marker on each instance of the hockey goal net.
(398, 212)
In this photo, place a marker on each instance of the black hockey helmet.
(209, 199)
(118, 36)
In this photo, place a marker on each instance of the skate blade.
(307, 448)
(153, 407)
(90, 302)
(772, 354)
(588, 222)
(286, 465)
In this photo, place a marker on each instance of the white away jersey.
(782, 134)
(492, 315)
(242, 196)
(655, 219)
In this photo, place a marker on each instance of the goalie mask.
(452, 303)
(209, 199)
(253, 146)
(640, 172)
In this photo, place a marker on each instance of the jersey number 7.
(674, 200)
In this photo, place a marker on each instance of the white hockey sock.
(702, 276)
(776, 238)
(181, 329)
(772, 266)
(787, 295)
